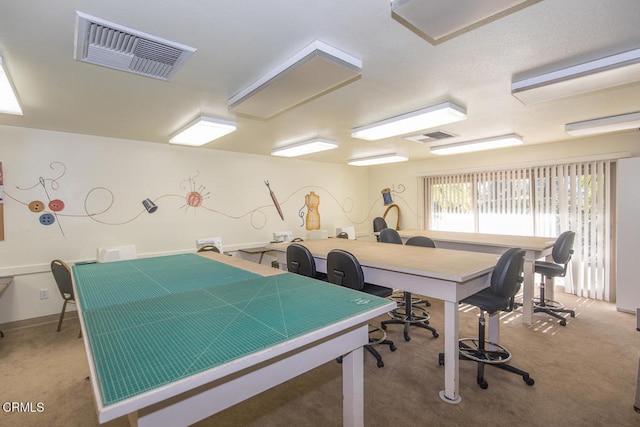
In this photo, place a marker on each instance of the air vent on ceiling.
(431, 136)
(111, 45)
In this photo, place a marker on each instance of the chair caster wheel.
(483, 384)
(407, 337)
(441, 359)
(393, 347)
(572, 314)
(563, 323)
(436, 335)
(380, 364)
(384, 327)
(529, 381)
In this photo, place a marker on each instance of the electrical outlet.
(44, 293)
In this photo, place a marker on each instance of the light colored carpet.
(585, 375)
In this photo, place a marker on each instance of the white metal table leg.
(451, 361)
(353, 389)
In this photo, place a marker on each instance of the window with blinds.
(537, 201)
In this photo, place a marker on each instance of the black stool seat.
(485, 300)
(506, 280)
(408, 313)
(549, 269)
(561, 254)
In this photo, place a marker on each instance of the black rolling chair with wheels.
(62, 275)
(389, 235)
(425, 242)
(561, 254)
(506, 280)
(407, 313)
(300, 261)
(343, 269)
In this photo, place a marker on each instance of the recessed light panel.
(302, 148)
(478, 145)
(378, 160)
(436, 115)
(8, 100)
(202, 130)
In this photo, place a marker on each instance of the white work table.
(534, 247)
(437, 273)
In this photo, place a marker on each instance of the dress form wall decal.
(312, 200)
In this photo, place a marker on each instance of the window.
(538, 201)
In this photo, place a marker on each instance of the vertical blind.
(536, 201)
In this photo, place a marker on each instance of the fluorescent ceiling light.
(615, 70)
(314, 71)
(302, 148)
(604, 125)
(8, 100)
(202, 130)
(378, 160)
(477, 145)
(437, 21)
(425, 118)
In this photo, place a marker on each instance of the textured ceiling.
(239, 41)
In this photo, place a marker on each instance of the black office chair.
(300, 261)
(408, 313)
(209, 248)
(343, 235)
(561, 254)
(426, 243)
(506, 280)
(379, 224)
(423, 241)
(62, 274)
(343, 269)
(389, 235)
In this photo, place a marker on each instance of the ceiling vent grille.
(104, 43)
(431, 136)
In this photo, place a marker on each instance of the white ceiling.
(238, 41)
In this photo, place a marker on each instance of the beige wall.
(93, 174)
(102, 182)
(407, 174)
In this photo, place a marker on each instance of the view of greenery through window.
(536, 201)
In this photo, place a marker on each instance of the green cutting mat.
(125, 281)
(146, 343)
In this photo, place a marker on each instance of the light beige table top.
(445, 264)
(501, 240)
(244, 264)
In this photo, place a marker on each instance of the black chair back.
(343, 269)
(421, 241)
(300, 260)
(379, 224)
(563, 248)
(62, 275)
(506, 278)
(389, 235)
